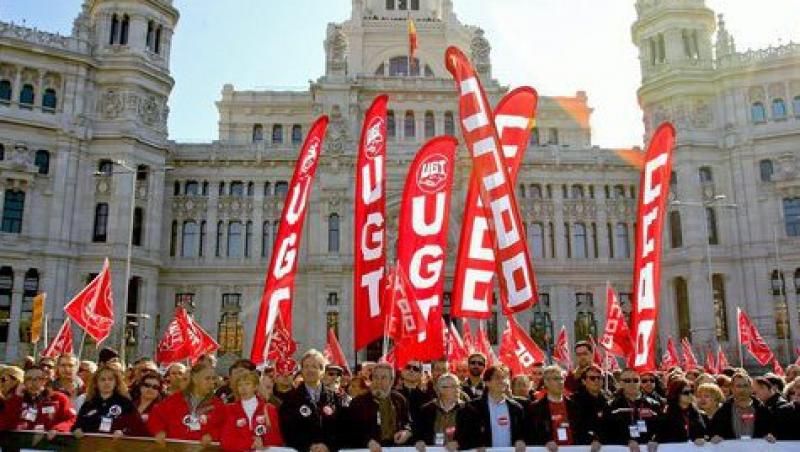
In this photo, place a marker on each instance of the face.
(762, 392)
(7, 383)
(438, 368)
(412, 373)
(629, 381)
(48, 365)
(106, 383)
(246, 388)
(499, 383)
(35, 381)
(145, 366)
(476, 366)
(312, 368)
(267, 385)
(648, 383)
(115, 364)
(741, 388)
(204, 381)
(554, 384)
(593, 381)
(67, 367)
(536, 375)
(462, 370)
(583, 356)
(331, 378)
(237, 372)
(520, 387)
(356, 388)
(85, 372)
(382, 380)
(794, 394)
(687, 396)
(448, 389)
(366, 369)
(150, 388)
(706, 401)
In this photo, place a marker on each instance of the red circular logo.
(432, 174)
(310, 157)
(373, 137)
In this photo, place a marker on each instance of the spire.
(725, 45)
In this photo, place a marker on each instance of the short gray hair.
(552, 369)
(384, 366)
(446, 376)
(313, 353)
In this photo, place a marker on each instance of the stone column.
(12, 347)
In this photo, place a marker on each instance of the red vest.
(238, 432)
(172, 416)
(52, 411)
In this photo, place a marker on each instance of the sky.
(557, 46)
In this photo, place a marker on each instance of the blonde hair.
(550, 370)
(251, 376)
(119, 386)
(314, 353)
(713, 389)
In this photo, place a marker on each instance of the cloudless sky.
(557, 46)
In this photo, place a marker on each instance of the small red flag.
(597, 358)
(469, 339)
(777, 369)
(405, 317)
(517, 350)
(483, 345)
(333, 351)
(689, 360)
(752, 340)
(670, 358)
(184, 339)
(561, 351)
(93, 307)
(456, 349)
(711, 366)
(617, 337)
(722, 360)
(62, 343)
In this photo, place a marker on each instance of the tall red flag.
(689, 360)
(422, 241)
(617, 337)
(62, 342)
(722, 360)
(456, 349)
(93, 307)
(711, 365)
(670, 358)
(517, 350)
(279, 285)
(513, 265)
(370, 226)
(469, 339)
(184, 339)
(751, 340)
(404, 315)
(473, 280)
(777, 369)
(653, 192)
(333, 351)
(561, 351)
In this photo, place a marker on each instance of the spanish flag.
(412, 41)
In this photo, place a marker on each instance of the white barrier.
(755, 445)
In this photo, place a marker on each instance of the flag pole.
(739, 333)
(388, 317)
(83, 341)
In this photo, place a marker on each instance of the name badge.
(378, 416)
(745, 438)
(29, 415)
(502, 421)
(241, 422)
(561, 433)
(642, 426)
(439, 439)
(39, 427)
(191, 422)
(145, 417)
(48, 409)
(634, 431)
(105, 424)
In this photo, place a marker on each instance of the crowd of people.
(321, 408)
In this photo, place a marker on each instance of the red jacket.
(171, 416)
(52, 411)
(238, 434)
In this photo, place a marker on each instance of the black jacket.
(304, 423)
(625, 414)
(416, 398)
(787, 422)
(722, 422)
(678, 426)
(473, 392)
(362, 419)
(538, 422)
(473, 428)
(774, 403)
(593, 413)
(424, 425)
(123, 414)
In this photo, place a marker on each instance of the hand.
(373, 446)
(595, 446)
(701, 441)
(205, 440)
(652, 446)
(50, 433)
(402, 436)
(716, 439)
(318, 447)
(116, 435)
(519, 446)
(420, 446)
(78, 433)
(257, 444)
(769, 438)
(551, 446)
(451, 446)
(160, 437)
(633, 446)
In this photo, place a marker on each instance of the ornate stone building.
(202, 216)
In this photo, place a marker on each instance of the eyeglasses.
(334, 374)
(46, 366)
(687, 392)
(556, 378)
(414, 368)
(648, 380)
(447, 387)
(630, 380)
(477, 363)
(151, 386)
(593, 377)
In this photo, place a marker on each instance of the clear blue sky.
(557, 46)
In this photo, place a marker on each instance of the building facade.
(87, 169)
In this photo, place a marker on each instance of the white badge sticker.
(440, 439)
(48, 409)
(642, 426)
(561, 433)
(105, 424)
(745, 438)
(29, 415)
(634, 431)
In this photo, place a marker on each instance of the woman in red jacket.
(38, 408)
(250, 422)
(192, 414)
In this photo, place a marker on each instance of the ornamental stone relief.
(691, 114)
(542, 210)
(480, 49)
(756, 94)
(190, 206)
(619, 209)
(235, 206)
(150, 110)
(579, 209)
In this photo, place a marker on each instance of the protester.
(86, 369)
(593, 408)
(651, 387)
(379, 418)
(634, 417)
(792, 391)
(67, 380)
(709, 398)
(266, 388)
(474, 385)
(438, 368)
(140, 366)
(768, 392)
(412, 388)
(494, 420)
(106, 355)
(48, 365)
(436, 423)
(148, 393)
(10, 379)
(38, 407)
(239, 367)
(108, 408)
(552, 418)
(792, 372)
(332, 378)
(177, 378)
(358, 386)
(584, 354)
(193, 414)
(742, 416)
(724, 383)
(250, 422)
(682, 420)
(521, 387)
(787, 418)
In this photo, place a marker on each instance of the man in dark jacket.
(412, 389)
(310, 413)
(494, 420)
(584, 354)
(742, 416)
(380, 417)
(436, 423)
(593, 408)
(551, 420)
(474, 385)
(634, 417)
(768, 393)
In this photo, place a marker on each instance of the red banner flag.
(202, 343)
(689, 360)
(617, 337)
(653, 193)
(482, 345)
(611, 362)
(722, 360)
(513, 264)
(456, 349)
(777, 369)
(279, 285)
(93, 307)
(561, 351)
(184, 339)
(597, 357)
(405, 317)
(370, 226)
(670, 358)
(711, 365)
(422, 241)
(517, 350)
(412, 42)
(333, 352)
(62, 343)
(752, 340)
(473, 280)
(469, 339)
(390, 357)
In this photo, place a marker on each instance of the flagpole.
(83, 341)
(388, 317)
(739, 333)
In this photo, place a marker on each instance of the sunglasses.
(687, 392)
(630, 380)
(414, 368)
(334, 374)
(593, 377)
(477, 363)
(153, 386)
(648, 380)
(46, 366)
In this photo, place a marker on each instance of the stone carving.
(480, 49)
(111, 105)
(756, 94)
(702, 116)
(338, 44)
(148, 111)
(33, 35)
(337, 131)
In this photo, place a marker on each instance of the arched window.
(621, 245)
(682, 307)
(123, 29)
(778, 284)
(277, 134)
(399, 67)
(778, 109)
(281, 188)
(42, 161)
(220, 235)
(138, 226)
(191, 188)
(711, 218)
(449, 124)
(231, 330)
(158, 39)
(13, 210)
(5, 91)
(151, 32)
(706, 175)
(173, 238)
(189, 239)
(266, 242)
(297, 134)
(795, 102)
(585, 322)
(26, 96)
(100, 233)
(766, 170)
(536, 231)
(535, 191)
(391, 124)
(576, 192)
(720, 307)
(235, 239)
(333, 233)
(258, 133)
(248, 238)
(758, 113)
(112, 37)
(409, 126)
(237, 188)
(675, 231)
(202, 250)
(430, 128)
(579, 242)
(49, 100)
(105, 167)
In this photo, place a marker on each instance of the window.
(202, 250)
(100, 223)
(534, 138)
(333, 233)
(568, 240)
(541, 328)
(673, 185)
(237, 188)
(221, 190)
(521, 191)
(576, 192)
(552, 136)
(333, 299)
(778, 283)
(706, 175)
(551, 239)
(682, 305)
(766, 170)
(297, 134)
(231, 330)
(277, 134)
(158, 39)
(6, 290)
(758, 113)
(332, 318)
(205, 188)
(415, 5)
(250, 188)
(281, 188)
(267, 189)
(2, 152)
(30, 288)
(399, 67)
(711, 218)
(176, 188)
(258, 133)
(610, 230)
(595, 245)
(621, 245)
(391, 124)
(123, 31)
(105, 167)
(141, 172)
(191, 188)
(536, 231)
(720, 307)
(579, 243)
(26, 96)
(778, 109)
(795, 102)
(390, 4)
(235, 239)
(138, 226)
(449, 123)
(619, 192)
(266, 243)
(535, 191)
(42, 161)
(49, 100)
(430, 127)
(150, 37)
(662, 52)
(220, 235)
(675, 231)
(585, 322)
(185, 300)
(189, 239)
(112, 38)
(173, 238)
(409, 128)
(5, 92)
